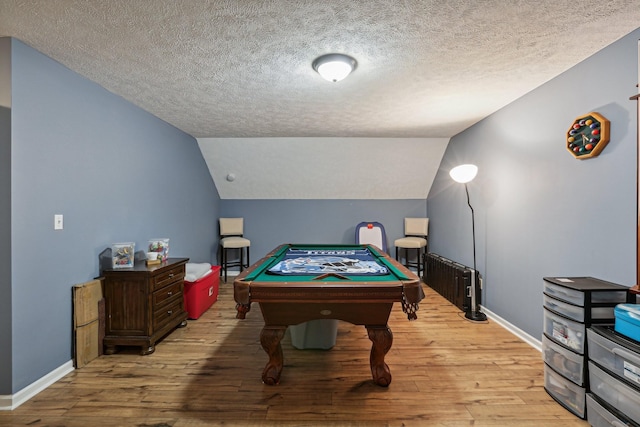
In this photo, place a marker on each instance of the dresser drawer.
(577, 297)
(618, 355)
(565, 294)
(565, 331)
(166, 277)
(564, 391)
(612, 391)
(577, 312)
(162, 296)
(166, 314)
(600, 415)
(566, 362)
(574, 312)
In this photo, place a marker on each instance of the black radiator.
(450, 279)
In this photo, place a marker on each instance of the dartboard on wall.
(587, 136)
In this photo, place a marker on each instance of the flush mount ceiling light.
(334, 66)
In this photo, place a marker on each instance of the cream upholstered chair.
(416, 231)
(232, 238)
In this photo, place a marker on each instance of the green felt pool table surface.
(260, 271)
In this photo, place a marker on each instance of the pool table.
(361, 299)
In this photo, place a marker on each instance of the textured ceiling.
(232, 68)
(237, 76)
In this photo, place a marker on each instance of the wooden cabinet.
(143, 304)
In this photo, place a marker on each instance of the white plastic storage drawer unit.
(619, 395)
(615, 353)
(571, 305)
(563, 361)
(568, 394)
(600, 415)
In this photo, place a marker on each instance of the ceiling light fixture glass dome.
(334, 66)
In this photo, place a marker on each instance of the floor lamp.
(463, 174)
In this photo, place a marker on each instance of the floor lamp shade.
(464, 173)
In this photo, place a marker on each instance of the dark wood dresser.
(143, 304)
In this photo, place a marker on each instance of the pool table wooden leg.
(382, 339)
(270, 338)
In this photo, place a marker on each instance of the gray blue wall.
(115, 172)
(269, 223)
(5, 215)
(539, 211)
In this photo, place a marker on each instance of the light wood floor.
(446, 372)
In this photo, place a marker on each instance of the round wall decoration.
(587, 136)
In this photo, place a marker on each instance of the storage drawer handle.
(627, 355)
(170, 312)
(169, 293)
(170, 275)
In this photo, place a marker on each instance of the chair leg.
(407, 258)
(220, 249)
(224, 263)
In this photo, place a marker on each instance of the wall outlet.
(57, 222)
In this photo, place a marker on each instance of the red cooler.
(201, 294)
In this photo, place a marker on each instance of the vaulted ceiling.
(242, 69)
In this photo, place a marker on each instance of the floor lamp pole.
(473, 314)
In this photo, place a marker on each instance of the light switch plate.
(57, 222)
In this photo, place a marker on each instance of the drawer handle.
(627, 355)
(170, 312)
(170, 275)
(169, 293)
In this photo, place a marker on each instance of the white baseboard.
(12, 401)
(537, 344)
